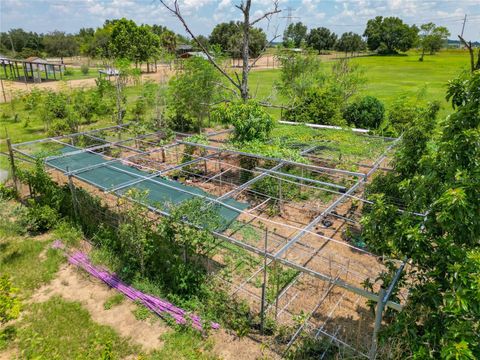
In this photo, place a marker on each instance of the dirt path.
(11, 87)
(75, 285)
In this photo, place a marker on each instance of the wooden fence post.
(12, 163)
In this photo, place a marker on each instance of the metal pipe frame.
(302, 178)
(288, 162)
(72, 135)
(264, 172)
(319, 218)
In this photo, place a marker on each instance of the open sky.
(202, 15)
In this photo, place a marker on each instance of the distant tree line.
(384, 35)
(123, 38)
(120, 38)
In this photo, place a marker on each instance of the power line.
(289, 16)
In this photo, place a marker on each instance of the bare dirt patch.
(230, 347)
(73, 285)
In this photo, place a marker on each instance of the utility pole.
(463, 26)
(11, 43)
(289, 16)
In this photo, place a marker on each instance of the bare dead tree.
(469, 46)
(239, 83)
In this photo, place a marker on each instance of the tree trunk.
(468, 45)
(423, 54)
(478, 60)
(245, 49)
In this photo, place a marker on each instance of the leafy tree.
(18, 40)
(366, 112)
(229, 37)
(321, 39)
(299, 73)
(57, 43)
(250, 121)
(223, 33)
(192, 91)
(317, 106)
(204, 41)
(85, 38)
(390, 35)
(239, 83)
(146, 46)
(432, 38)
(123, 39)
(350, 42)
(100, 44)
(403, 111)
(168, 40)
(294, 35)
(346, 79)
(436, 173)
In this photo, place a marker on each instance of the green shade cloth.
(160, 191)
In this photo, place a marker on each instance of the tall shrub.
(250, 121)
(367, 112)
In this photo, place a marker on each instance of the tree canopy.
(432, 38)
(229, 37)
(294, 35)
(390, 35)
(437, 174)
(350, 42)
(321, 38)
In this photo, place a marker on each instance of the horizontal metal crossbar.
(289, 162)
(319, 218)
(302, 178)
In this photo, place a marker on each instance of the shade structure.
(161, 191)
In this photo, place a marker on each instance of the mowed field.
(390, 77)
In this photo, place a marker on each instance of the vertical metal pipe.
(277, 288)
(378, 323)
(71, 185)
(262, 310)
(12, 163)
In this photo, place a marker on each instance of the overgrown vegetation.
(249, 120)
(438, 175)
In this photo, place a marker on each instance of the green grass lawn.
(76, 74)
(61, 329)
(389, 77)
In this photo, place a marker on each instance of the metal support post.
(378, 323)
(277, 287)
(262, 305)
(12, 163)
(71, 185)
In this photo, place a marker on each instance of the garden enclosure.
(288, 242)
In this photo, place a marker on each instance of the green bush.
(84, 69)
(56, 105)
(39, 218)
(402, 112)
(318, 106)
(9, 303)
(367, 112)
(7, 193)
(250, 121)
